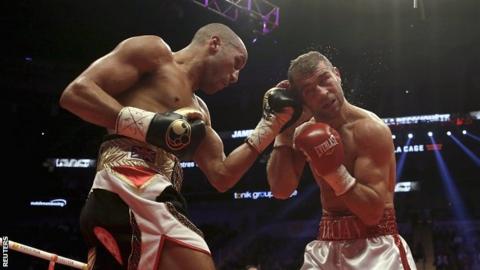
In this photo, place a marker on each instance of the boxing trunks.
(134, 206)
(344, 242)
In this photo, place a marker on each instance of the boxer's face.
(224, 67)
(322, 91)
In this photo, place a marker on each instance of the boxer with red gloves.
(351, 154)
(323, 149)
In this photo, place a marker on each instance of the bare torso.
(165, 89)
(330, 202)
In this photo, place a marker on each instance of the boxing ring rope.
(53, 258)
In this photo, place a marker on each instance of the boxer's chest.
(166, 89)
(349, 148)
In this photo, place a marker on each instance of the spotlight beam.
(473, 136)
(459, 209)
(401, 161)
(467, 151)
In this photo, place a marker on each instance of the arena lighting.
(416, 119)
(403, 120)
(188, 164)
(411, 148)
(54, 203)
(246, 132)
(459, 210)
(473, 137)
(407, 186)
(73, 162)
(243, 133)
(474, 115)
(254, 195)
(467, 151)
(401, 160)
(265, 14)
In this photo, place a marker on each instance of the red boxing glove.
(323, 148)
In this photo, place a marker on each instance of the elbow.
(68, 95)
(64, 98)
(222, 182)
(279, 194)
(75, 91)
(222, 188)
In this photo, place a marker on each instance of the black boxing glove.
(172, 131)
(281, 108)
(280, 98)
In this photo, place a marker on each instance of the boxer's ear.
(214, 44)
(336, 71)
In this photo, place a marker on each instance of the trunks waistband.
(119, 151)
(337, 228)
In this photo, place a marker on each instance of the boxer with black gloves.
(281, 108)
(135, 216)
(174, 132)
(351, 155)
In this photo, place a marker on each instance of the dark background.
(395, 61)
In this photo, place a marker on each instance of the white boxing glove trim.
(266, 130)
(133, 122)
(340, 180)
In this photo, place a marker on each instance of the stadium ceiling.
(264, 14)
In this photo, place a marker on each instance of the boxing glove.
(172, 131)
(289, 98)
(285, 138)
(281, 108)
(323, 148)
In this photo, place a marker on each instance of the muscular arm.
(284, 170)
(222, 172)
(91, 96)
(285, 165)
(372, 167)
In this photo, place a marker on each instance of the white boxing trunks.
(344, 242)
(134, 206)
